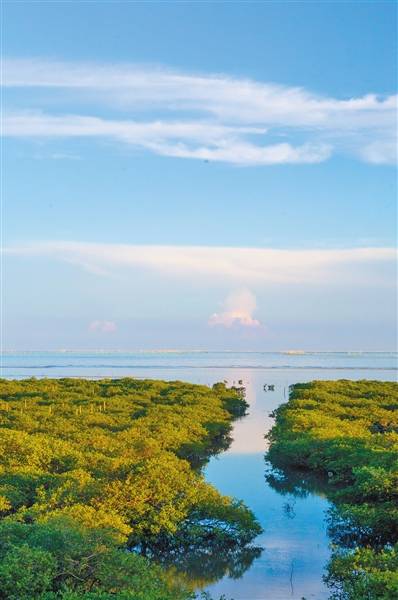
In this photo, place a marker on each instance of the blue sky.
(200, 175)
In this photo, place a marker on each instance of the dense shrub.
(99, 477)
(346, 432)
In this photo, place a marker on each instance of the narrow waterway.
(295, 546)
(295, 543)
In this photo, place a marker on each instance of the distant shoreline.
(160, 351)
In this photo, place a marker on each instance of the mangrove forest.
(102, 494)
(340, 438)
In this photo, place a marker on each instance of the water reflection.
(295, 544)
(291, 506)
(295, 482)
(345, 530)
(204, 565)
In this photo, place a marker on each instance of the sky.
(199, 175)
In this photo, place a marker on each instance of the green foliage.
(26, 572)
(347, 433)
(93, 472)
(365, 574)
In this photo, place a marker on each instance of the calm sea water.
(295, 543)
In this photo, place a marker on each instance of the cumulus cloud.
(244, 266)
(211, 117)
(238, 310)
(103, 326)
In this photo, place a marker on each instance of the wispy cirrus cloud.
(241, 266)
(211, 117)
(207, 141)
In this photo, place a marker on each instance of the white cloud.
(244, 266)
(380, 152)
(237, 99)
(39, 124)
(207, 141)
(103, 326)
(249, 154)
(206, 116)
(239, 307)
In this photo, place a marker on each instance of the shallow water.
(294, 542)
(75, 363)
